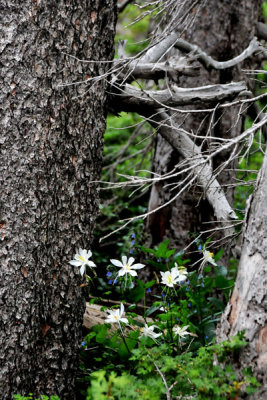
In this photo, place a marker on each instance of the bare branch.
(168, 393)
(159, 70)
(132, 99)
(159, 49)
(209, 62)
(189, 150)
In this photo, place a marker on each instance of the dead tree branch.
(130, 98)
(209, 62)
(158, 71)
(190, 151)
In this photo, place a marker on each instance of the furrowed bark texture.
(223, 29)
(51, 148)
(247, 307)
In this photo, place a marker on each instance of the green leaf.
(218, 255)
(151, 310)
(102, 334)
(221, 282)
(162, 249)
(138, 292)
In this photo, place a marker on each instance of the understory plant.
(157, 339)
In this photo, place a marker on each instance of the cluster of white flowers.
(81, 259)
(175, 276)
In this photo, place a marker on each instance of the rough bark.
(222, 29)
(247, 307)
(51, 145)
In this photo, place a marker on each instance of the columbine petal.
(122, 272)
(91, 264)
(83, 253)
(130, 261)
(76, 263)
(117, 263)
(124, 260)
(133, 272)
(82, 269)
(138, 266)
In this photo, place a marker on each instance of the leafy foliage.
(193, 376)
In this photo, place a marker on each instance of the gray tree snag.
(222, 31)
(51, 148)
(247, 308)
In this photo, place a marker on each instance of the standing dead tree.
(160, 107)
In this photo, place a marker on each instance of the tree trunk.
(223, 29)
(247, 308)
(51, 148)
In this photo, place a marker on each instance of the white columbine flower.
(115, 316)
(149, 331)
(208, 257)
(127, 267)
(182, 273)
(170, 278)
(81, 259)
(182, 332)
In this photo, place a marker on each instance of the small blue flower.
(83, 344)
(200, 276)
(159, 260)
(202, 284)
(163, 295)
(206, 337)
(148, 290)
(187, 289)
(189, 304)
(168, 304)
(199, 247)
(133, 236)
(188, 282)
(115, 281)
(132, 242)
(167, 260)
(131, 251)
(110, 281)
(177, 319)
(109, 274)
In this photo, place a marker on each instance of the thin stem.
(123, 338)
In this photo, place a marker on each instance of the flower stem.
(123, 338)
